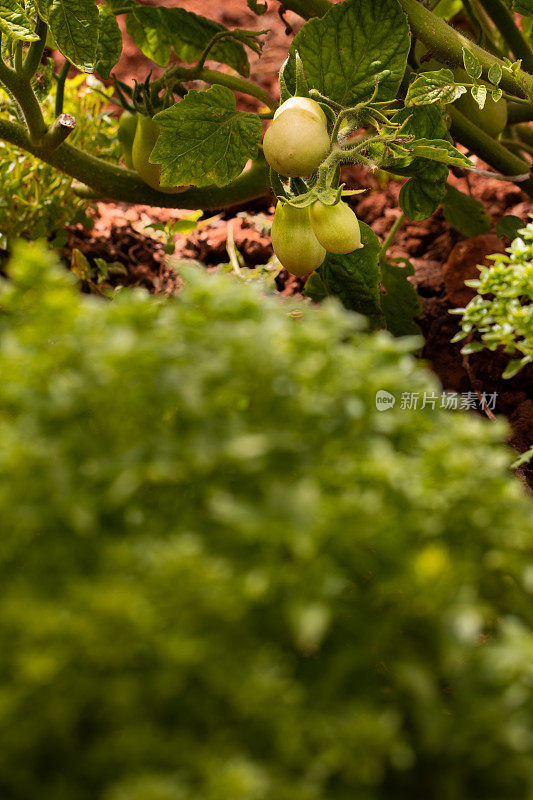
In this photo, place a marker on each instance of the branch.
(35, 51)
(504, 22)
(120, 185)
(447, 44)
(487, 148)
(233, 82)
(308, 8)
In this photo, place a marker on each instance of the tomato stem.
(112, 182)
(504, 22)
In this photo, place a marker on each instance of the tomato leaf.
(434, 87)
(422, 194)
(399, 301)
(158, 31)
(204, 140)
(509, 226)
(109, 42)
(465, 213)
(353, 278)
(74, 26)
(349, 49)
(14, 21)
(441, 151)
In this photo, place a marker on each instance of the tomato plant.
(352, 90)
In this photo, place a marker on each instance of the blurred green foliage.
(227, 576)
(502, 310)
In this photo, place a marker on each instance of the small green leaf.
(495, 74)
(434, 87)
(472, 64)
(509, 226)
(441, 151)
(204, 139)
(514, 367)
(479, 93)
(257, 8)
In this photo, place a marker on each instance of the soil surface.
(443, 258)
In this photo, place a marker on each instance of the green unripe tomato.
(304, 104)
(296, 143)
(336, 227)
(294, 242)
(146, 136)
(492, 118)
(127, 125)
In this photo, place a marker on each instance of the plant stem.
(491, 151)
(504, 22)
(392, 235)
(60, 90)
(308, 8)
(516, 144)
(112, 182)
(238, 84)
(447, 45)
(24, 95)
(18, 58)
(517, 112)
(233, 82)
(35, 51)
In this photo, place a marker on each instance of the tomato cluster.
(138, 134)
(301, 236)
(295, 145)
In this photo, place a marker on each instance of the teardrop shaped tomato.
(336, 227)
(294, 242)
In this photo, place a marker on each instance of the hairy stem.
(111, 182)
(504, 22)
(392, 235)
(60, 90)
(308, 8)
(233, 82)
(35, 50)
(489, 149)
(447, 45)
(517, 112)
